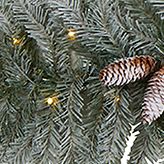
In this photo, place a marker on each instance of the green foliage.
(90, 123)
(117, 116)
(148, 144)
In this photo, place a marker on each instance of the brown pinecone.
(153, 105)
(129, 70)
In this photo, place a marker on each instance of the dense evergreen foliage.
(88, 122)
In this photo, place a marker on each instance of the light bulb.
(71, 34)
(50, 101)
(16, 41)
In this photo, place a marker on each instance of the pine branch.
(136, 91)
(90, 34)
(4, 24)
(6, 28)
(143, 35)
(33, 17)
(92, 109)
(46, 140)
(11, 123)
(6, 11)
(147, 145)
(144, 12)
(114, 127)
(18, 93)
(73, 140)
(159, 5)
(103, 34)
(144, 8)
(19, 150)
(68, 11)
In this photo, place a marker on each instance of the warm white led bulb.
(117, 99)
(16, 41)
(71, 34)
(50, 100)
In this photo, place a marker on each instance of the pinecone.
(153, 105)
(129, 70)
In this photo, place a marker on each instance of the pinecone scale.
(153, 104)
(129, 70)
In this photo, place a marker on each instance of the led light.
(71, 34)
(117, 99)
(16, 41)
(50, 101)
